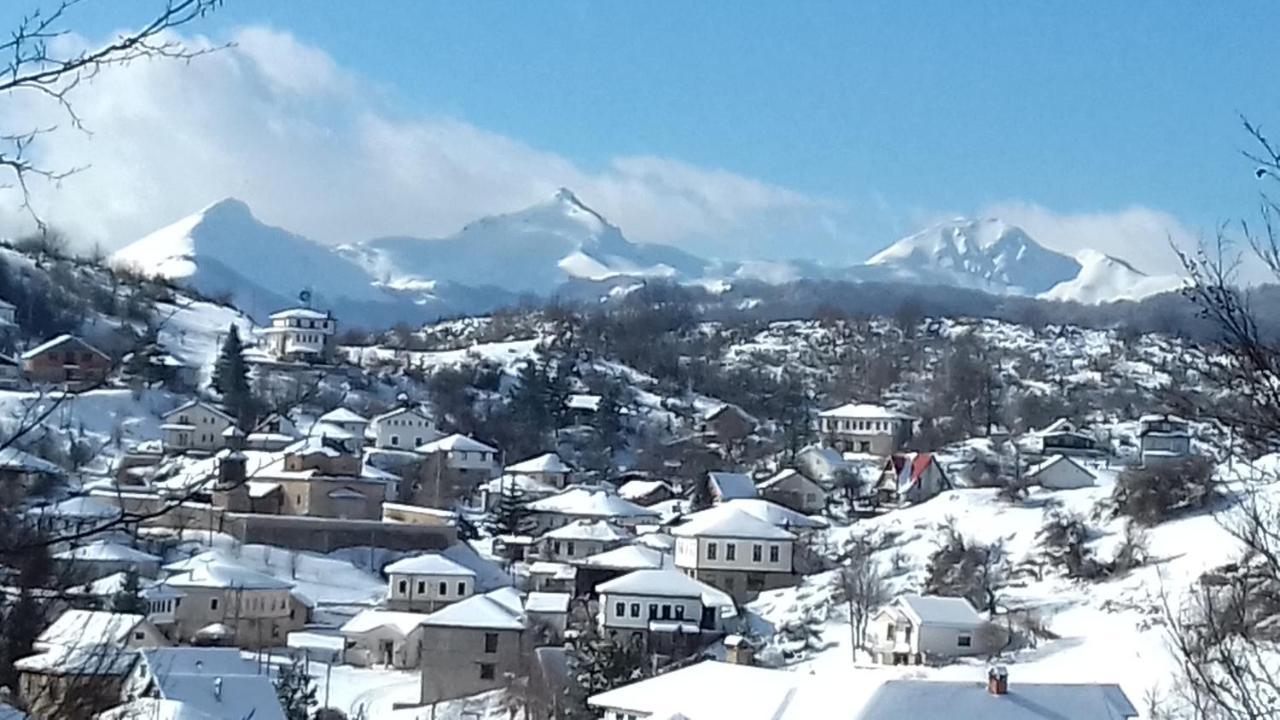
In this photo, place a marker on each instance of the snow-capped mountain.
(1103, 278)
(533, 250)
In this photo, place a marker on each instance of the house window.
(556, 547)
(138, 635)
(462, 589)
(653, 611)
(404, 587)
(964, 641)
(213, 603)
(666, 611)
(773, 553)
(620, 609)
(570, 546)
(444, 589)
(711, 551)
(395, 439)
(491, 642)
(757, 553)
(679, 612)
(731, 551)
(486, 671)
(635, 610)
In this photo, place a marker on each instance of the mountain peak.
(565, 195)
(228, 207)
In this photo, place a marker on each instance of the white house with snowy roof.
(917, 628)
(793, 490)
(426, 583)
(997, 699)
(865, 428)
(547, 468)
(224, 602)
(383, 637)
(580, 539)
(582, 502)
(471, 646)
(663, 608)
(1162, 438)
(403, 428)
(459, 461)
(734, 551)
(347, 419)
(199, 682)
(301, 335)
(1059, 472)
(194, 426)
(103, 557)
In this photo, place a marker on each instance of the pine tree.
(231, 378)
(295, 690)
(128, 599)
(509, 513)
(598, 664)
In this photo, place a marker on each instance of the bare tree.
(865, 589)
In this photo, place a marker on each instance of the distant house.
(547, 468)
(188, 682)
(587, 503)
(791, 489)
(582, 408)
(314, 476)
(194, 426)
(645, 492)
(548, 612)
(301, 335)
(225, 603)
(1162, 438)
(471, 646)
(383, 637)
(457, 461)
(727, 425)
(426, 583)
(101, 558)
(734, 551)
(712, 690)
(1059, 472)
(574, 542)
(1063, 437)
(22, 473)
(66, 360)
(524, 487)
(10, 372)
(823, 464)
(865, 428)
(915, 628)
(663, 608)
(997, 699)
(911, 478)
(404, 428)
(347, 419)
(81, 514)
(727, 486)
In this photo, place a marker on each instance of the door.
(388, 652)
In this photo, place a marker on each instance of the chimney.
(998, 680)
(217, 689)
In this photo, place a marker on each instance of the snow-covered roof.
(665, 582)
(261, 488)
(454, 443)
(7, 711)
(590, 403)
(547, 603)
(210, 407)
(557, 570)
(300, 313)
(710, 690)
(84, 507)
(13, 459)
(106, 551)
(59, 340)
(630, 557)
(345, 494)
(397, 412)
(729, 522)
(526, 484)
(865, 411)
(897, 699)
(221, 573)
(732, 485)
(1050, 462)
(344, 416)
(494, 611)
(82, 660)
(600, 530)
(428, 564)
(82, 628)
(940, 610)
(147, 708)
(590, 502)
(215, 681)
(775, 514)
(637, 489)
(547, 463)
(326, 429)
(783, 476)
(368, 620)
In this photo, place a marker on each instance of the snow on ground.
(193, 331)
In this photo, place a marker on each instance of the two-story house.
(471, 646)
(662, 608)
(301, 335)
(791, 489)
(1063, 437)
(1162, 438)
(865, 428)
(734, 551)
(426, 583)
(547, 468)
(581, 539)
(383, 637)
(66, 360)
(918, 627)
(195, 426)
(349, 420)
(581, 502)
(403, 428)
(225, 603)
(454, 465)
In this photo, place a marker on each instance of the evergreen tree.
(609, 417)
(231, 378)
(598, 664)
(295, 690)
(530, 406)
(128, 599)
(509, 513)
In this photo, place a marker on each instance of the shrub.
(1154, 493)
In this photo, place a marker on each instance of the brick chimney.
(998, 680)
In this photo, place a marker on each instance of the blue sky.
(889, 115)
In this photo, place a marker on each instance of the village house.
(823, 464)
(23, 475)
(547, 468)
(102, 558)
(547, 613)
(76, 515)
(664, 609)
(403, 428)
(273, 433)
(454, 465)
(1059, 472)
(301, 335)
(618, 562)
(1063, 437)
(472, 646)
(734, 551)
(194, 426)
(188, 682)
(582, 408)
(726, 426)
(66, 360)
(426, 583)
(727, 486)
(10, 372)
(645, 491)
(997, 699)
(349, 420)
(383, 637)
(1162, 438)
(911, 478)
(580, 539)
(865, 428)
(581, 502)
(918, 628)
(314, 477)
(791, 489)
(523, 487)
(225, 603)
(548, 576)
(162, 607)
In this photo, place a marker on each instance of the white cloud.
(1142, 236)
(310, 147)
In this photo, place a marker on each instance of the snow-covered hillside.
(1104, 278)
